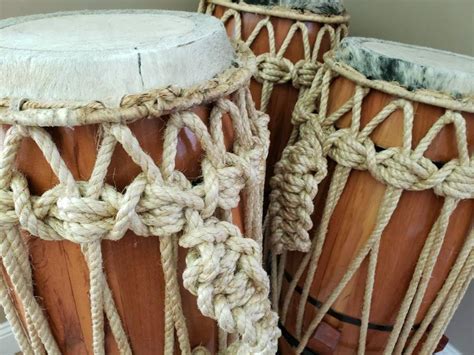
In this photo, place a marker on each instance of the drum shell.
(284, 96)
(132, 264)
(402, 240)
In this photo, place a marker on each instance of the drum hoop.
(151, 103)
(283, 12)
(430, 97)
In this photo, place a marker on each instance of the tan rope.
(452, 303)
(457, 276)
(224, 268)
(303, 166)
(14, 320)
(276, 11)
(386, 210)
(340, 177)
(153, 103)
(273, 67)
(429, 97)
(426, 262)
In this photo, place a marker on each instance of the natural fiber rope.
(277, 11)
(429, 97)
(272, 67)
(223, 268)
(14, 319)
(153, 103)
(302, 168)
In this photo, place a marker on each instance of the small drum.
(128, 133)
(289, 39)
(388, 134)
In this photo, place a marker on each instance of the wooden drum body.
(391, 251)
(289, 45)
(103, 196)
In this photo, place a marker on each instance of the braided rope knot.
(304, 72)
(294, 187)
(231, 182)
(398, 168)
(282, 70)
(224, 271)
(342, 145)
(273, 69)
(301, 114)
(459, 183)
(231, 285)
(145, 208)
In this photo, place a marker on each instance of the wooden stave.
(71, 325)
(441, 150)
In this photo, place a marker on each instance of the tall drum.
(289, 39)
(383, 168)
(129, 133)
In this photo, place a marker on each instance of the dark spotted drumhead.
(411, 66)
(323, 7)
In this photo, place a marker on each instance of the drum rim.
(151, 103)
(426, 96)
(286, 13)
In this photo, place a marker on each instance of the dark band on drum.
(343, 317)
(293, 341)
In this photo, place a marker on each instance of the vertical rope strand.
(446, 290)
(452, 303)
(93, 255)
(338, 183)
(369, 288)
(115, 322)
(173, 294)
(169, 324)
(440, 231)
(13, 319)
(11, 262)
(388, 205)
(417, 275)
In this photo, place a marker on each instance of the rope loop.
(304, 72)
(459, 181)
(224, 268)
(273, 69)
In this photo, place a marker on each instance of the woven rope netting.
(223, 267)
(273, 67)
(304, 165)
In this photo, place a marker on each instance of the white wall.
(444, 24)
(10, 8)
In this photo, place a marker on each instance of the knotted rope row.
(223, 267)
(272, 67)
(304, 165)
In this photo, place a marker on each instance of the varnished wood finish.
(284, 96)
(132, 264)
(403, 238)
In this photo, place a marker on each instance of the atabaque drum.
(130, 177)
(372, 207)
(289, 39)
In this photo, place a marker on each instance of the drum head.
(323, 7)
(411, 66)
(104, 55)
